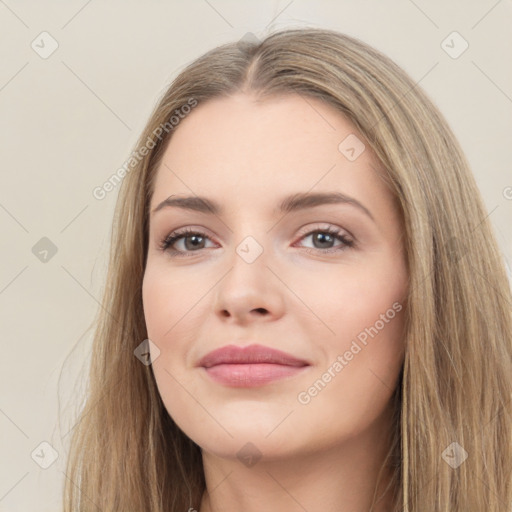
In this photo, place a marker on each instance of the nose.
(249, 291)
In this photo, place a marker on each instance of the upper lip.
(233, 354)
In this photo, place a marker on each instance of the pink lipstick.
(254, 365)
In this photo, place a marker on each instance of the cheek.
(349, 301)
(167, 300)
(353, 389)
(373, 319)
(165, 312)
(364, 309)
(172, 311)
(155, 303)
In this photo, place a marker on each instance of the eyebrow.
(289, 204)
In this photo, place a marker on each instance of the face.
(324, 282)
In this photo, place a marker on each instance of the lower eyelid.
(346, 241)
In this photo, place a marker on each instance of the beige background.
(70, 120)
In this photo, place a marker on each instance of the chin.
(249, 448)
(270, 435)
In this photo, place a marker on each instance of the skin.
(247, 155)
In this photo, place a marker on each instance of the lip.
(250, 366)
(251, 354)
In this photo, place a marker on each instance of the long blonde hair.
(127, 454)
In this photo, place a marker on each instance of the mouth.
(254, 365)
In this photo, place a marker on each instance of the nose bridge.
(249, 285)
(252, 238)
(249, 263)
(251, 249)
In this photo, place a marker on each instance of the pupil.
(320, 237)
(195, 240)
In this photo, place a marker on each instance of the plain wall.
(70, 120)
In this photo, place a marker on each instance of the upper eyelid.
(303, 231)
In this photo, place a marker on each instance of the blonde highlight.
(126, 453)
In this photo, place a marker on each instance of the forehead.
(242, 150)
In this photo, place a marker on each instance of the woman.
(340, 340)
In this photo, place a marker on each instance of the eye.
(323, 238)
(194, 241)
(197, 240)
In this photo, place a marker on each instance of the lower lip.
(251, 375)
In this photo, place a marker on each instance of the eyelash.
(173, 237)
